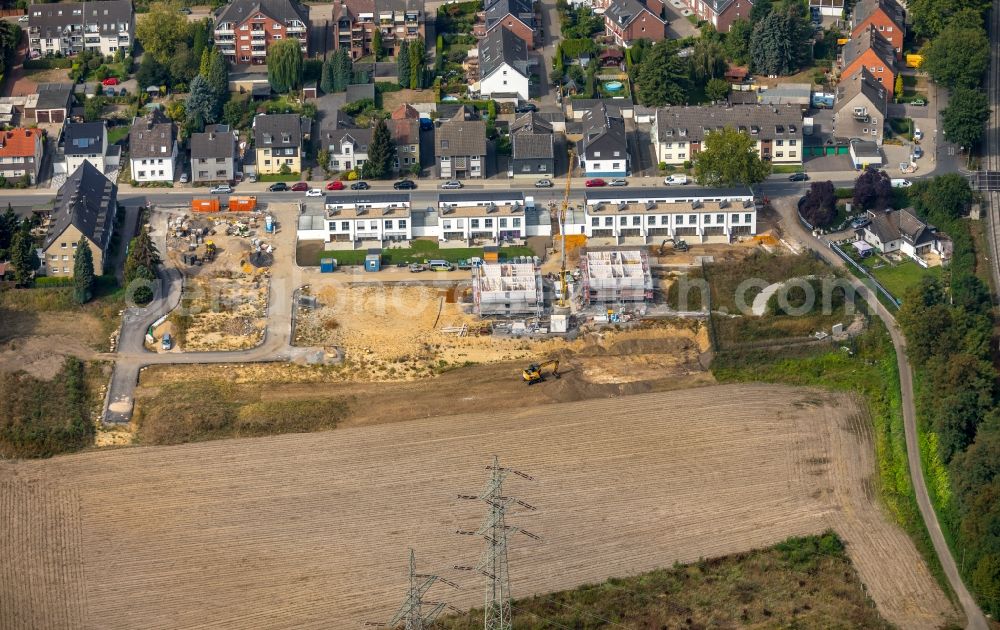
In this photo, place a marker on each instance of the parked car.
(860, 222)
(314, 192)
(901, 183)
(426, 124)
(185, 10)
(23, 18)
(917, 134)
(300, 186)
(918, 152)
(618, 182)
(335, 185)
(278, 187)
(919, 102)
(451, 184)
(595, 183)
(798, 177)
(183, 178)
(168, 342)
(221, 189)
(110, 81)
(360, 186)
(417, 268)
(543, 183)
(405, 184)
(524, 108)
(676, 180)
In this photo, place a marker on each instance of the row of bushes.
(48, 63)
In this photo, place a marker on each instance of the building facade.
(278, 143)
(532, 147)
(20, 154)
(885, 16)
(348, 148)
(603, 150)
(860, 109)
(629, 20)
(69, 28)
(244, 29)
(85, 206)
(460, 147)
(404, 127)
(869, 49)
(516, 16)
(85, 142)
(679, 133)
(213, 155)
(355, 22)
(360, 220)
(503, 65)
(721, 13)
(153, 148)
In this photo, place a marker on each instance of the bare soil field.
(302, 531)
(37, 342)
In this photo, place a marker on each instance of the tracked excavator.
(535, 373)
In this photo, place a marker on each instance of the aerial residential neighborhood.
(499, 314)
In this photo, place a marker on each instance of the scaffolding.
(507, 289)
(616, 276)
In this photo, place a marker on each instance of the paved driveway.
(679, 26)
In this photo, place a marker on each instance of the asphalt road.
(974, 615)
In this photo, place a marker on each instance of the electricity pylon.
(411, 612)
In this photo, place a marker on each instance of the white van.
(676, 180)
(439, 265)
(901, 183)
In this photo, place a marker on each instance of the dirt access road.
(302, 531)
(975, 619)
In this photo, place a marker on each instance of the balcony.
(259, 53)
(295, 29)
(224, 31)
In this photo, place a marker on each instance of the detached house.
(503, 65)
(629, 20)
(900, 230)
(885, 16)
(153, 148)
(20, 154)
(516, 16)
(721, 13)
(245, 28)
(348, 147)
(88, 142)
(460, 147)
(860, 109)
(355, 22)
(679, 133)
(404, 127)
(85, 206)
(870, 50)
(278, 142)
(603, 150)
(213, 155)
(532, 147)
(68, 28)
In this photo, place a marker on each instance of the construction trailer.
(503, 289)
(616, 276)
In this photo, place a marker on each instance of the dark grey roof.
(360, 91)
(666, 194)
(552, 117)
(366, 198)
(84, 138)
(52, 19)
(532, 122)
(285, 10)
(865, 149)
(459, 137)
(719, 6)
(281, 131)
(763, 122)
(497, 10)
(502, 46)
(742, 97)
(532, 146)
(153, 135)
(217, 141)
(869, 38)
(902, 224)
(88, 200)
(622, 12)
(865, 8)
(360, 137)
(54, 95)
(480, 196)
(863, 82)
(603, 132)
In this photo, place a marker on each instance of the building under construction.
(616, 276)
(507, 289)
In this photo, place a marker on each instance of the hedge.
(48, 63)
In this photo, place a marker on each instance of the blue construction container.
(373, 260)
(327, 265)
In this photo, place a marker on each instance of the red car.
(596, 183)
(335, 185)
(110, 81)
(300, 187)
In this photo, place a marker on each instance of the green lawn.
(117, 133)
(899, 277)
(421, 251)
(278, 177)
(786, 168)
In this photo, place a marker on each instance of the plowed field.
(312, 530)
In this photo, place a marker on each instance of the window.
(708, 219)
(616, 165)
(401, 223)
(664, 220)
(503, 223)
(650, 220)
(388, 224)
(637, 220)
(735, 218)
(622, 220)
(779, 154)
(779, 143)
(74, 245)
(791, 154)
(474, 223)
(594, 222)
(62, 245)
(142, 173)
(516, 222)
(65, 257)
(720, 218)
(609, 221)
(488, 223)
(680, 219)
(747, 218)
(693, 219)
(791, 143)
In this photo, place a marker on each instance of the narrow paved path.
(786, 207)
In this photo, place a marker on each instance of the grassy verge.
(800, 583)
(117, 133)
(419, 253)
(869, 371)
(786, 168)
(278, 177)
(216, 409)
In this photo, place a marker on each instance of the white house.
(348, 148)
(503, 65)
(901, 231)
(68, 28)
(359, 220)
(603, 150)
(650, 216)
(87, 142)
(484, 216)
(153, 148)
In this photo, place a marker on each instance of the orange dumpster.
(205, 205)
(242, 204)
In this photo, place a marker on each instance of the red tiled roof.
(405, 112)
(18, 142)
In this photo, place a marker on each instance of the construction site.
(225, 260)
(507, 289)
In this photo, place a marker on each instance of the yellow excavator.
(535, 373)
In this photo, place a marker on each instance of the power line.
(411, 612)
(495, 531)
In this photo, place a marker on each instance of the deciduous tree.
(717, 89)
(872, 190)
(964, 119)
(162, 30)
(819, 205)
(957, 57)
(729, 158)
(284, 65)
